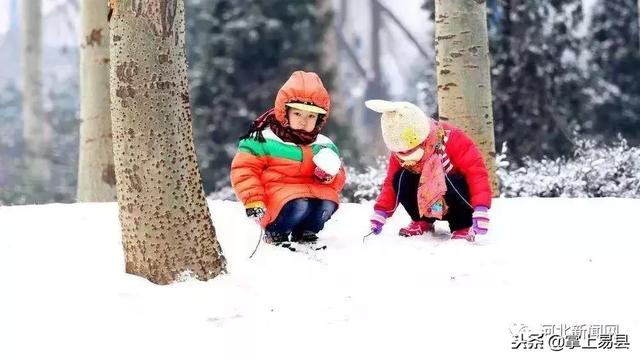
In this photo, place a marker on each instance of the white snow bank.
(545, 261)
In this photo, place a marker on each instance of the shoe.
(275, 238)
(466, 234)
(305, 237)
(416, 228)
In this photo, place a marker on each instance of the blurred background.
(565, 78)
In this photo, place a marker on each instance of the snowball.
(328, 161)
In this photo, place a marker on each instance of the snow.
(544, 261)
(47, 7)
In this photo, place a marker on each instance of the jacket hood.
(302, 87)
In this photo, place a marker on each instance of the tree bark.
(166, 225)
(463, 73)
(35, 128)
(96, 174)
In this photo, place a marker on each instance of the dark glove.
(255, 211)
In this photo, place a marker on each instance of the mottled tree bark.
(96, 175)
(463, 73)
(35, 128)
(166, 226)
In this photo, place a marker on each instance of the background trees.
(241, 52)
(558, 68)
(96, 174)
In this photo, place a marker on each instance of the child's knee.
(328, 205)
(297, 207)
(325, 210)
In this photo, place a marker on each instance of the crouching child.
(287, 174)
(435, 172)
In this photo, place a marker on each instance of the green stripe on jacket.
(317, 147)
(276, 148)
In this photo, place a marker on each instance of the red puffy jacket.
(464, 159)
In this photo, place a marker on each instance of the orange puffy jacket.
(275, 172)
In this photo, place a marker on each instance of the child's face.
(302, 119)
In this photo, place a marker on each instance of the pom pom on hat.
(404, 125)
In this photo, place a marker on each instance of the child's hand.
(378, 219)
(480, 220)
(255, 211)
(328, 161)
(322, 176)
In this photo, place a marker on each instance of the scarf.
(432, 185)
(285, 133)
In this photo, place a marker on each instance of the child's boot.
(416, 228)
(275, 238)
(305, 237)
(466, 234)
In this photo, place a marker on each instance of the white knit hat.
(404, 125)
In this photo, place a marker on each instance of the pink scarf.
(432, 185)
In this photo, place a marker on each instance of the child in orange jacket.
(288, 175)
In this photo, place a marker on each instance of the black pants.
(459, 213)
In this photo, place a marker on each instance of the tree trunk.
(463, 73)
(166, 226)
(329, 60)
(375, 84)
(34, 125)
(96, 174)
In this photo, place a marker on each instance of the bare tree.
(34, 125)
(96, 174)
(166, 226)
(463, 74)
(376, 87)
(329, 59)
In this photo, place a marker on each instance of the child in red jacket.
(435, 171)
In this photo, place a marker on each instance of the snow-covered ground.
(545, 262)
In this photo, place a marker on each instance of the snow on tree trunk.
(34, 124)
(96, 174)
(166, 226)
(464, 81)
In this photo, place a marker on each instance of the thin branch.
(395, 19)
(344, 8)
(75, 4)
(376, 52)
(388, 35)
(352, 55)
